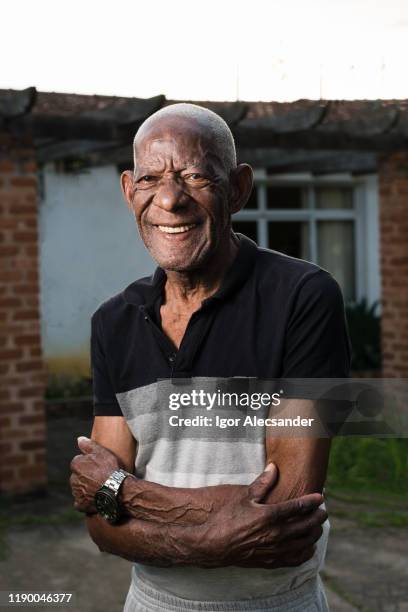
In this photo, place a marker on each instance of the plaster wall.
(89, 250)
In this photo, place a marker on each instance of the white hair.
(217, 128)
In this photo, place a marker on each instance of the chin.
(176, 263)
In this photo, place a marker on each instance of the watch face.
(107, 505)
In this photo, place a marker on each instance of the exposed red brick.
(29, 366)
(17, 459)
(18, 434)
(30, 249)
(26, 314)
(8, 249)
(393, 187)
(5, 448)
(8, 223)
(34, 391)
(14, 353)
(11, 276)
(24, 181)
(7, 165)
(10, 302)
(25, 209)
(32, 444)
(27, 339)
(32, 472)
(25, 236)
(40, 457)
(7, 475)
(31, 419)
(39, 406)
(22, 407)
(30, 167)
(5, 394)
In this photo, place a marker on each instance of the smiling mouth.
(178, 229)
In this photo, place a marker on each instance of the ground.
(44, 546)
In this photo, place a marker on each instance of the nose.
(169, 195)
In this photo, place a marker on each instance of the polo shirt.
(273, 317)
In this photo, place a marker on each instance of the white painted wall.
(89, 250)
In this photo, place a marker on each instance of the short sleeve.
(104, 398)
(317, 343)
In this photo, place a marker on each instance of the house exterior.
(331, 186)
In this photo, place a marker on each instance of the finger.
(299, 528)
(296, 545)
(72, 481)
(74, 463)
(263, 483)
(86, 445)
(294, 507)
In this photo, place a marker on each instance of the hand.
(89, 472)
(245, 532)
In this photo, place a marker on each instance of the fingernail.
(82, 438)
(271, 467)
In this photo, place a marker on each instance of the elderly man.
(212, 519)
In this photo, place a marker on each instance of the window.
(321, 219)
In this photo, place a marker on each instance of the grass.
(370, 475)
(369, 465)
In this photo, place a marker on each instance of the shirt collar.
(147, 291)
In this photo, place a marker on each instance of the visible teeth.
(175, 230)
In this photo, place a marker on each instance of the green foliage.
(365, 334)
(369, 464)
(60, 387)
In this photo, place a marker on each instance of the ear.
(242, 178)
(126, 183)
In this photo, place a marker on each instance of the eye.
(146, 181)
(196, 177)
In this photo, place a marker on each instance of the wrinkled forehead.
(185, 140)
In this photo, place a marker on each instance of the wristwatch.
(106, 498)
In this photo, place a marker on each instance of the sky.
(209, 50)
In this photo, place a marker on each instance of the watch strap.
(115, 480)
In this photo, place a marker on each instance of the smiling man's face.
(180, 194)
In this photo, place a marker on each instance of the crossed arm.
(273, 522)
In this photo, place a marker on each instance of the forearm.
(302, 461)
(239, 530)
(150, 501)
(146, 542)
(302, 464)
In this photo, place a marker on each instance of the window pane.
(289, 237)
(284, 197)
(335, 244)
(253, 200)
(334, 197)
(248, 228)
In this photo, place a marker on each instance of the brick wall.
(22, 373)
(393, 185)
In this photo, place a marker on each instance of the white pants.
(310, 597)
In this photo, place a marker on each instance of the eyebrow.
(151, 168)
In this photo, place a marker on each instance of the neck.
(194, 286)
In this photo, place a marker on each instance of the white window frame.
(364, 214)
